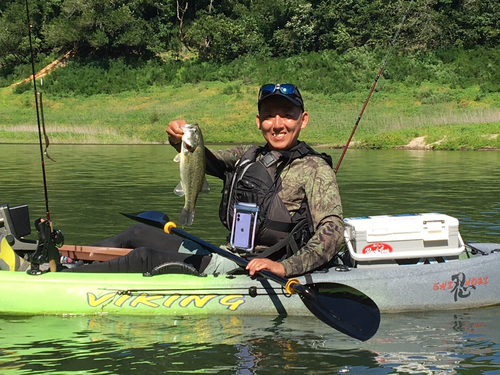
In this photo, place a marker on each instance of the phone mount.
(244, 225)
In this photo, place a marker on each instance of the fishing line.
(374, 84)
(38, 116)
(47, 141)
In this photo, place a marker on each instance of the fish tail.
(186, 217)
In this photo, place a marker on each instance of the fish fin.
(179, 190)
(186, 217)
(177, 158)
(205, 188)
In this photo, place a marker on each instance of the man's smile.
(279, 135)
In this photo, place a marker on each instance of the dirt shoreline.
(408, 147)
(417, 143)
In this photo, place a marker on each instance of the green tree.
(14, 41)
(223, 30)
(299, 33)
(477, 22)
(346, 24)
(220, 38)
(112, 28)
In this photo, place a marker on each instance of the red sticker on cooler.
(377, 248)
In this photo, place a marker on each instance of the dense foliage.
(327, 72)
(223, 30)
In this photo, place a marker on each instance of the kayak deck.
(459, 284)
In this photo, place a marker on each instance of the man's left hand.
(260, 264)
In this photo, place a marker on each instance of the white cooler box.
(381, 240)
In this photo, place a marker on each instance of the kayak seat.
(9, 260)
(173, 268)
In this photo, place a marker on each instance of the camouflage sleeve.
(321, 191)
(231, 155)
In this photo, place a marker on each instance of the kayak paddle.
(342, 307)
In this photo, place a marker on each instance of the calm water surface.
(89, 186)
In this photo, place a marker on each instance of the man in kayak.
(299, 225)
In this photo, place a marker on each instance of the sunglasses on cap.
(286, 90)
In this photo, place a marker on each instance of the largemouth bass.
(192, 169)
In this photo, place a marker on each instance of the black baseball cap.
(286, 90)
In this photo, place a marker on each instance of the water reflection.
(427, 343)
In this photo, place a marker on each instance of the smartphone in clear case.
(243, 228)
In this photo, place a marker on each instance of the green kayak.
(391, 270)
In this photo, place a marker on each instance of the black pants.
(151, 247)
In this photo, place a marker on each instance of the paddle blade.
(344, 308)
(154, 218)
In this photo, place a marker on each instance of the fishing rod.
(48, 236)
(38, 115)
(373, 86)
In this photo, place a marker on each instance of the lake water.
(89, 186)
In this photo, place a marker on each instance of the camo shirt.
(312, 178)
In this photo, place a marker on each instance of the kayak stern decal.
(460, 285)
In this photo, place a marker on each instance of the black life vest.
(259, 182)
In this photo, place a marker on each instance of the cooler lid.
(427, 226)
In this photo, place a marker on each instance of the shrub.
(23, 87)
(326, 72)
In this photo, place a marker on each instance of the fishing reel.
(58, 237)
(48, 241)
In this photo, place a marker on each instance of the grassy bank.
(431, 116)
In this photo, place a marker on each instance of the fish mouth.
(189, 144)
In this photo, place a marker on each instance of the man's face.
(280, 122)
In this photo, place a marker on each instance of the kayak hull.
(449, 284)
(457, 284)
